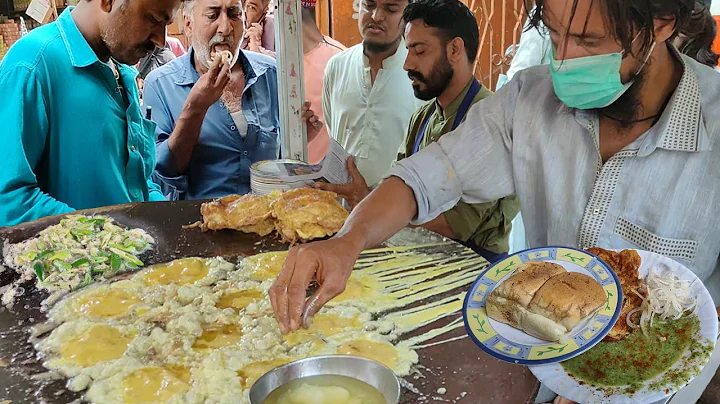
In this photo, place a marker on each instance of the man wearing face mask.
(215, 118)
(73, 133)
(367, 97)
(614, 145)
(442, 39)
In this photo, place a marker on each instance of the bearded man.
(215, 116)
(442, 40)
(79, 67)
(367, 97)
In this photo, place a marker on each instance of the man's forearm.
(184, 138)
(386, 211)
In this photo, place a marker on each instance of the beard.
(440, 77)
(380, 47)
(113, 34)
(626, 109)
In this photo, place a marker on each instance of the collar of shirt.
(452, 109)
(81, 54)
(189, 75)
(397, 59)
(680, 127)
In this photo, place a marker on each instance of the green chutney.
(635, 359)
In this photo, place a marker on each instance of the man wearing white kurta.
(367, 96)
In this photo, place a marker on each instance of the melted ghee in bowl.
(326, 389)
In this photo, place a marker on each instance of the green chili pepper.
(60, 255)
(127, 257)
(115, 262)
(99, 259)
(44, 254)
(61, 265)
(39, 271)
(81, 261)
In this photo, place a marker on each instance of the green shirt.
(486, 224)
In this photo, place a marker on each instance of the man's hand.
(254, 36)
(208, 89)
(328, 262)
(354, 192)
(314, 124)
(211, 85)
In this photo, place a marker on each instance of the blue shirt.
(220, 162)
(69, 139)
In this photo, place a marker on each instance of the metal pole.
(291, 94)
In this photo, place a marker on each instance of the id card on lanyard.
(462, 111)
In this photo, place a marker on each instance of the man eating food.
(216, 107)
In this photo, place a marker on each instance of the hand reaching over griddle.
(383, 213)
(329, 263)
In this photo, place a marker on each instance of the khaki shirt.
(486, 224)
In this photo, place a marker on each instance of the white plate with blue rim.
(513, 345)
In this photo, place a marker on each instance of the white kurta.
(370, 120)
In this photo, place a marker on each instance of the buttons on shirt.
(245, 153)
(222, 104)
(132, 149)
(233, 127)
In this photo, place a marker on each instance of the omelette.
(306, 214)
(246, 213)
(298, 214)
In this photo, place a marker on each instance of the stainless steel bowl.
(366, 370)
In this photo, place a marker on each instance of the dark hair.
(451, 17)
(626, 18)
(700, 31)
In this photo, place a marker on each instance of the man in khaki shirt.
(440, 65)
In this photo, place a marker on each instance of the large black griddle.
(467, 374)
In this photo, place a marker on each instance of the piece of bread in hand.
(225, 57)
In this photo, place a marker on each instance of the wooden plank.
(345, 22)
(291, 95)
(322, 16)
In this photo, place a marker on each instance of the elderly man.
(367, 97)
(214, 119)
(73, 133)
(442, 40)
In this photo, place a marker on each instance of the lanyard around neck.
(462, 111)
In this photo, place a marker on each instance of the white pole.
(291, 94)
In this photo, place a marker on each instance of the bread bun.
(225, 57)
(544, 300)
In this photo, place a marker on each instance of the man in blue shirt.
(73, 133)
(214, 119)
